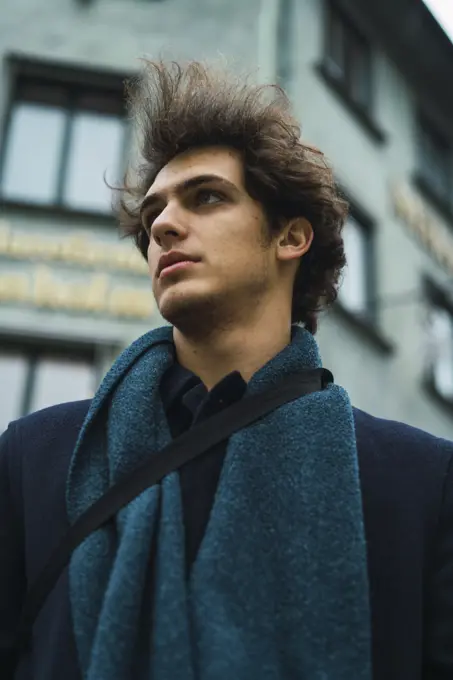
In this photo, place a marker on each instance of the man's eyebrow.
(187, 184)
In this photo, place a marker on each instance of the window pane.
(13, 376)
(59, 380)
(359, 72)
(435, 161)
(442, 334)
(335, 47)
(96, 149)
(32, 159)
(353, 293)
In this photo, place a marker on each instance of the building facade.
(381, 109)
(72, 295)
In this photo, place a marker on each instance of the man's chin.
(190, 314)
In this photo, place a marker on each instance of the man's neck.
(243, 349)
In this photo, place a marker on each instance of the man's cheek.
(152, 264)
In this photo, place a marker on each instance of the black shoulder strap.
(181, 450)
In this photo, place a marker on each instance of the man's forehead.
(221, 162)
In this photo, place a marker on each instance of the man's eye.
(208, 197)
(148, 222)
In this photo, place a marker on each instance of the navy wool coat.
(407, 488)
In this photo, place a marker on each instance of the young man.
(317, 542)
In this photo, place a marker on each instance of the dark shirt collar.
(176, 381)
(181, 385)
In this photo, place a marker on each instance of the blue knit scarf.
(279, 588)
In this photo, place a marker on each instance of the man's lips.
(166, 271)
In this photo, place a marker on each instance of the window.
(33, 378)
(285, 42)
(435, 162)
(13, 378)
(357, 299)
(347, 67)
(63, 138)
(348, 58)
(439, 365)
(355, 293)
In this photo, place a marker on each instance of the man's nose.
(168, 227)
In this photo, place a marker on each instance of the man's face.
(198, 208)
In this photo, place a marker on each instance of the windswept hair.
(181, 107)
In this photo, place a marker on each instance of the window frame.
(341, 84)
(369, 312)
(352, 36)
(442, 201)
(285, 43)
(32, 349)
(78, 83)
(367, 324)
(367, 227)
(435, 296)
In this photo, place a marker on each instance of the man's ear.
(295, 239)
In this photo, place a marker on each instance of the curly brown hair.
(177, 108)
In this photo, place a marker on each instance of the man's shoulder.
(37, 444)
(68, 413)
(394, 456)
(58, 422)
(374, 430)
